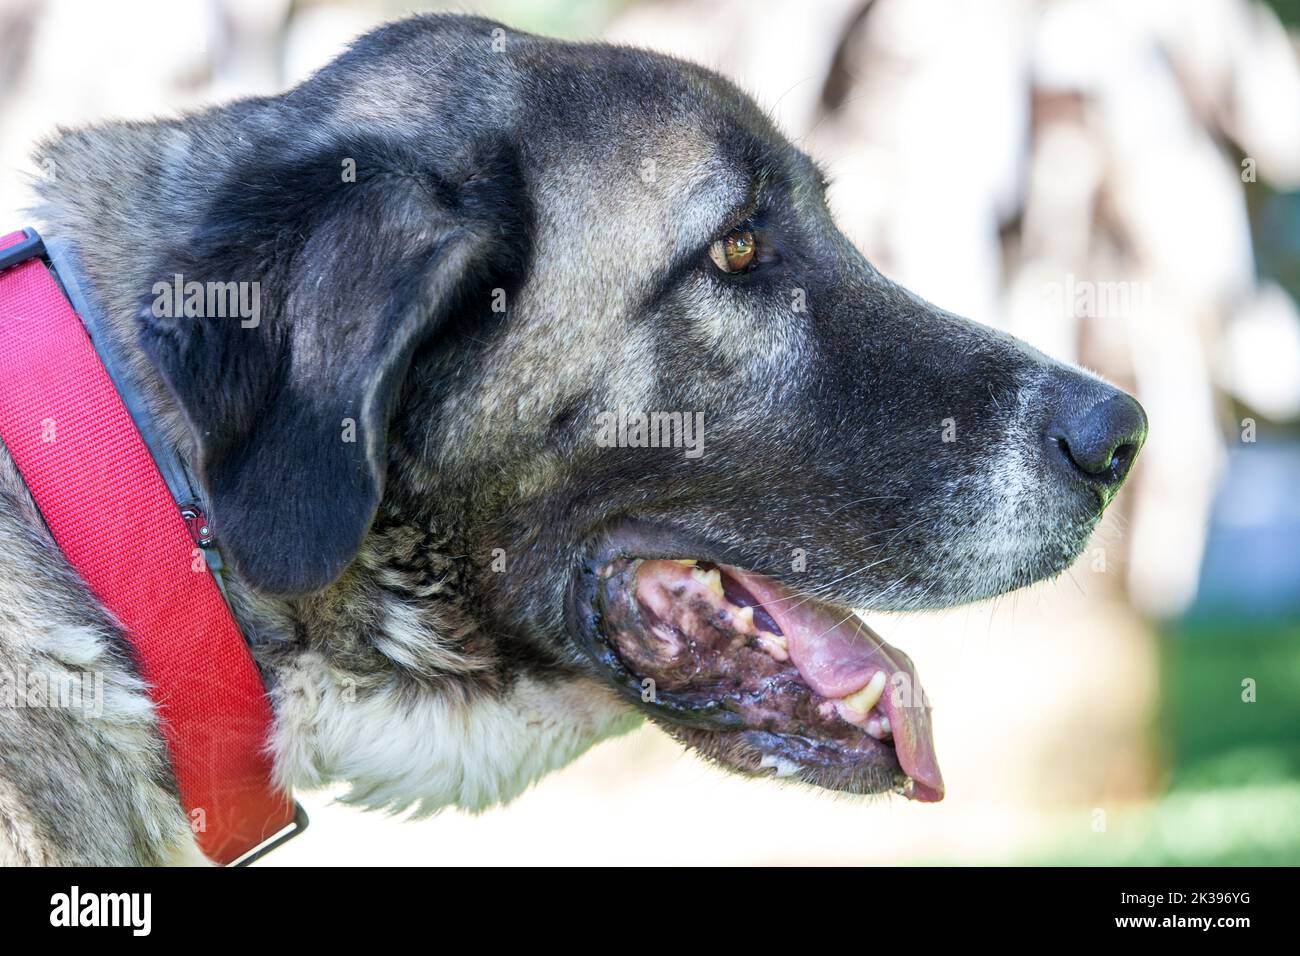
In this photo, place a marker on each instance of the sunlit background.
(1115, 182)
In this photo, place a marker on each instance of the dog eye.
(734, 252)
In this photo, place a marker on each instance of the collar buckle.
(30, 247)
(295, 827)
(197, 522)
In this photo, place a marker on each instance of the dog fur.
(580, 184)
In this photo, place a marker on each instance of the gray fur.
(416, 670)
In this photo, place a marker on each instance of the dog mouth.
(761, 678)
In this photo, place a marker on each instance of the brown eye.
(734, 252)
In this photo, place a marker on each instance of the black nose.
(1100, 440)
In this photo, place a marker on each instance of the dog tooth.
(879, 728)
(776, 639)
(863, 700)
(773, 645)
(688, 562)
(744, 617)
(782, 766)
(712, 579)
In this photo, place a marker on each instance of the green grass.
(1210, 730)
(1233, 794)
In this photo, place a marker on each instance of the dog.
(635, 428)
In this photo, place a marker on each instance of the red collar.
(111, 512)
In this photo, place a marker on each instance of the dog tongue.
(837, 654)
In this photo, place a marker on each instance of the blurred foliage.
(1233, 793)
(1206, 721)
(1275, 231)
(1288, 11)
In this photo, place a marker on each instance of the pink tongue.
(838, 654)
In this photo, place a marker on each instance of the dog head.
(581, 313)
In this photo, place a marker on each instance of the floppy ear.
(290, 381)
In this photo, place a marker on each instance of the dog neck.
(381, 679)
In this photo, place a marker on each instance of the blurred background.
(1116, 181)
